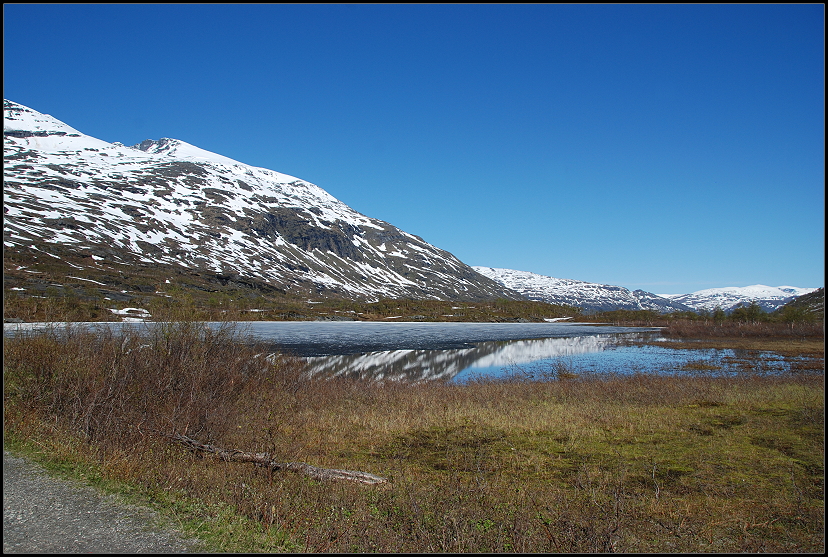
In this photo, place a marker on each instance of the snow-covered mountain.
(603, 297)
(169, 202)
(768, 298)
(590, 296)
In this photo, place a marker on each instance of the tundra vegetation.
(81, 303)
(568, 463)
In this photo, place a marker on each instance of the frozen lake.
(325, 338)
(321, 338)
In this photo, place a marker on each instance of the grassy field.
(635, 463)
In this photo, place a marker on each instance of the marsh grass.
(567, 463)
(682, 328)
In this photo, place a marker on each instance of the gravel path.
(42, 514)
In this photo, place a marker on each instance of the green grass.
(629, 463)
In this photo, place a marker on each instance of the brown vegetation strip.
(789, 347)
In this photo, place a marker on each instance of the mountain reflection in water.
(429, 365)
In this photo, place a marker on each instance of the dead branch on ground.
(265, 460)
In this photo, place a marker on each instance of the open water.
(461, 351)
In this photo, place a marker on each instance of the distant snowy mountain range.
(594, 297)
(166, 202)
(768, 298)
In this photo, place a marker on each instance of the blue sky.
(670, 148)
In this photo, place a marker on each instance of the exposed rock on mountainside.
(169, 203)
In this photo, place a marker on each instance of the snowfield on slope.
(166, 201)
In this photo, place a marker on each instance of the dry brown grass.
(632, 463)
(736, 329)
(789, 339)
(788, 347)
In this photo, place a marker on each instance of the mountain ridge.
(728, 298)
(592, 297)
(812, 303)
(168, 202)
(595, 297)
